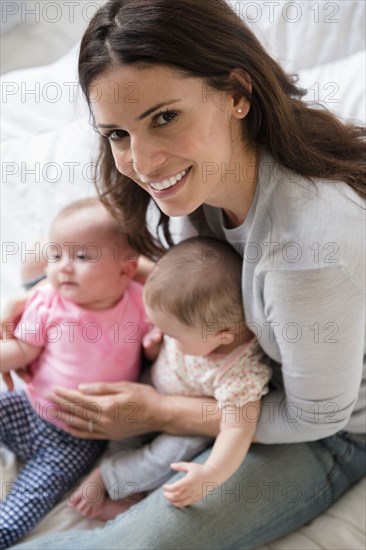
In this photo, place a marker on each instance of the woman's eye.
(161, 119)
(81, 257)
(165, 118)
(116, 135)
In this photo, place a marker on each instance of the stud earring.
(240, 111)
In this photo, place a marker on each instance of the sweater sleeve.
(318, 320)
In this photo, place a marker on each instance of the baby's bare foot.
(112, 508)
(90, 496)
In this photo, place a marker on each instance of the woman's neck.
(237, 197)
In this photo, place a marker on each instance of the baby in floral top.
(193, 295)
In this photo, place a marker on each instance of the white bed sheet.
(48, 148)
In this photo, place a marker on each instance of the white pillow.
(40, 175)
(41, 98)
(340, 86)
(304, 34)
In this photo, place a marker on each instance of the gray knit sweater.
(303, 248)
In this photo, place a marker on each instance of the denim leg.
(277, 489)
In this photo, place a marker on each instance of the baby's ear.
(226, 337)
(129, 268)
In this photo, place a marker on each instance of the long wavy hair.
(206, 39)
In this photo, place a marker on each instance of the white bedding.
(48, 147)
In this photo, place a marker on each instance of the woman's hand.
(109, 411)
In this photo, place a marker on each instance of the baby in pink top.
(86, 327)
(193, 295)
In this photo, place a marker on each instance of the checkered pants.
(54, 461)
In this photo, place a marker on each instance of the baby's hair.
(110, 223)
(199, 282)
(78, 205)
(85, 204)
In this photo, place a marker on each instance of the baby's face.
(85, 263)
(195, 340)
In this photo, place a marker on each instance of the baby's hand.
(24, 374)
(152, 343)
(198, 482)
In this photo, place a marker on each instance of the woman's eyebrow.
(107, 126)
(155, 108)
(143, 115)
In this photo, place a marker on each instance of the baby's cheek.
(50, 272)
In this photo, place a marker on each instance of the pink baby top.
(236, 378)
(80, 346)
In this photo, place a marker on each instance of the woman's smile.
(169, 186)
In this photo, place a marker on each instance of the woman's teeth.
(165, 184)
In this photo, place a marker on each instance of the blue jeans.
(277, 489)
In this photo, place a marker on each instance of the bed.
(48, 150)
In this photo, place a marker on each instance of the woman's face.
(175, 137)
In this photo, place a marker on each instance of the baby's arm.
(15, 354)
(237, 428)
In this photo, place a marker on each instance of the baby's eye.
(82, 257)
(165, 118)
(53, 255)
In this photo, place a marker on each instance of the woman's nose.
(144, 159)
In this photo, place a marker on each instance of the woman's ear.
(242, 93)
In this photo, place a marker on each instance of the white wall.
(38, 32)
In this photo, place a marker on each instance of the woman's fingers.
(75, 409)
(80, 417)
(101, 388)
(118, 410)
(84, 434)
(91, 415)
(68, 397)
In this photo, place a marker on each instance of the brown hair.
(207, 273)
(206, 39)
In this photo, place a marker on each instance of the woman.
(195, 115)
